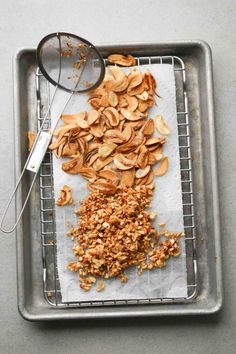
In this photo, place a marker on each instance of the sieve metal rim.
(44, 72)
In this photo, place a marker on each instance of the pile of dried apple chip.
(114, 147)
(113, 144)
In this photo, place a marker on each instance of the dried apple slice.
(122, 163)
(122, 60)
(96, 130)
(73, 166)
(161, 125)
(163, 167)
(93, 117)
(113, 99)
(109, 174)
(127, 178)
(63, 129)
(143, 157)
(99, 164)
(135, 79)
(130, 115)
(65, 196)
(95, 102)
(140, 173)
(87, 172)
(112, 115)
(148, 127)
(143, 96)
(113, 136)
(142, 106)
(132, 102)
(138, 90)
(106, 150)
(68, 118)
(104, 187)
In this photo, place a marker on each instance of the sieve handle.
(34, 160)
(32, 164)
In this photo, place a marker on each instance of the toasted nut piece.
(99, 164)
(122, 60)
(163, 167)
(113, 99)
(31, 139)
(161, 125)
(101, 286)
(140, 173)
(122, 163)
(127, 178)
(148, 127)
(105, 187)
(93, 116)
(65, 196)
(130, 115)
(106, 150)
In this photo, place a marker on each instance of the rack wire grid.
(51, 284)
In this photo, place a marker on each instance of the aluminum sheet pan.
(31, 301)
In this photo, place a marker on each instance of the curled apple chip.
(106, 150)
(122, 163)
(163, 167)
(122, 60)
(105, 187)
(127, 178)
(73, 166)
(93, 117)
(65, 196)
(140, 173)
(161, 125)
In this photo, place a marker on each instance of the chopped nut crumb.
(114, 233)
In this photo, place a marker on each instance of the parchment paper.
(167, 202)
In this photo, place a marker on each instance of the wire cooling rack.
(51, 284)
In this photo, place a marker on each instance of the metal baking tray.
(38, 286)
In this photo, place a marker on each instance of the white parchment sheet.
(167, 202)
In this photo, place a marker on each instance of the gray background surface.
(23, 23)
